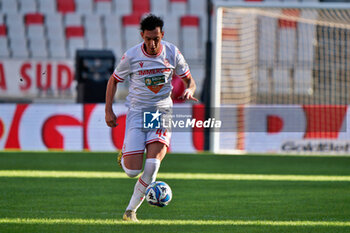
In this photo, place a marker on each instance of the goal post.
(277, 55)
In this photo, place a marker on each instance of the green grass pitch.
(88, 192)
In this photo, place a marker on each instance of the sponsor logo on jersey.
(141, 64)
(153, 71)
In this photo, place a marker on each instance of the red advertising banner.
(71, 127)
(262, 129)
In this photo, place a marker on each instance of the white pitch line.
(177, 176)
(77, 221)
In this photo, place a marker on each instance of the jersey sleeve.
(181, 67)
(122, 71)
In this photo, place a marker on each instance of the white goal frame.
(218, 7)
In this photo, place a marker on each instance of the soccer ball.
(159, 194)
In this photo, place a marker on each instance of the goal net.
(278, 56)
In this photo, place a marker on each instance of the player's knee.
(132, 173)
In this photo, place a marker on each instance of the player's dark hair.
(151, 22)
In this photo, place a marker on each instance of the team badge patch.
(155, 83)
(166, 62)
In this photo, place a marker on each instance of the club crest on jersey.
(155, 83)
(166, 62)
(141, 64)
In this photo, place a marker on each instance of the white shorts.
(137, 138)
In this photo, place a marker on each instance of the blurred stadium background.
(282, 73)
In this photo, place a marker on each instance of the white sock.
(149, 175)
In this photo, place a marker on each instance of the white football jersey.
(150, 75)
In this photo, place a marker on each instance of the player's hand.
(111, 119)
(188, 95)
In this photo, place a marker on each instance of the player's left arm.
(190, 88)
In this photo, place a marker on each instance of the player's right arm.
(110, 117)
(120, 73)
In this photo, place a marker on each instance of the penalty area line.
(49, 221)
(176, 176)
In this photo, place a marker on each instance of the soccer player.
(149, 67)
